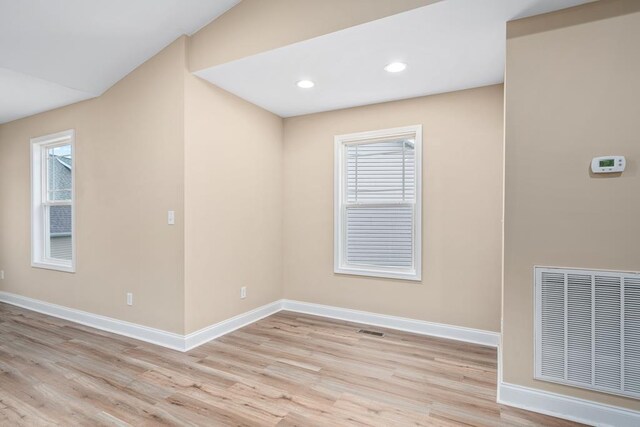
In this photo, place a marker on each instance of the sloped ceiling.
(57, 52)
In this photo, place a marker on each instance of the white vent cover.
(587, 329)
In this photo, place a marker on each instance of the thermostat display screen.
(607, 163)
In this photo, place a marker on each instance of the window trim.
(38, 195)
(339, 224)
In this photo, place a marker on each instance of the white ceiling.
(449, 45)
(57, 52)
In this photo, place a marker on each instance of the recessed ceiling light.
(306, 84)
(395, 67)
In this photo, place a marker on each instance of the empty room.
(320, 213)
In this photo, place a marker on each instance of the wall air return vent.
(587, 329)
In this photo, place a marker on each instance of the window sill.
(413, 276)
(67, 268)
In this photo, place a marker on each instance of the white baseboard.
(216, 330)
(128, 329)
(143, 333)
(475, 336)
(187, 342)
(569, 408)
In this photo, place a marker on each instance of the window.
(52, 204)
(378, 203)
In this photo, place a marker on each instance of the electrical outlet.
(1, 274)
(243, 292)
(129, 298)
(171, 217)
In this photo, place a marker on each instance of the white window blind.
(378, 203)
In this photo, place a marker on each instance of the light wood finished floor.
(286, 370)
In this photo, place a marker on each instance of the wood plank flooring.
(286, 370)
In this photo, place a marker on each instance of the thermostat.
(608, 164)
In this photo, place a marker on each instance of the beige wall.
(233, 200)
(462, 210)
(129, 160)
(157, 140)
(572, 92)
(255, 26)
(162, 139)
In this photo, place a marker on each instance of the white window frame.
(39, 200)
(340, 205)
